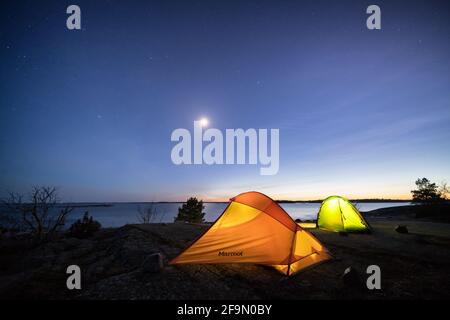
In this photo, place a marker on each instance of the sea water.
(119, 214)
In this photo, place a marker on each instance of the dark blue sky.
(361, 113)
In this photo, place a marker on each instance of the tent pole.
(291, 252)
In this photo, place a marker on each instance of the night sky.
(361, 113)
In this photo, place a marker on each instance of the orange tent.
(255, 229)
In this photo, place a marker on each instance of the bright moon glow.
(204, 122)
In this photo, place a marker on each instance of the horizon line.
(224, 201)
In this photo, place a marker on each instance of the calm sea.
(119, 214)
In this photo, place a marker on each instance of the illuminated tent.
(255, 229)
(338, 214)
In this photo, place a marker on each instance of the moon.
(204, 122)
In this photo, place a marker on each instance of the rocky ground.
(118, 264)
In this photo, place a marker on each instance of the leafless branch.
(42, 215)
(146, 216)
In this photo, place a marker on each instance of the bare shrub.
(147, 215)
(41, 214)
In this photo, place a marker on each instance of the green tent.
(339, 215)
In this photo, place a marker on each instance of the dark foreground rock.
(153, 263)
(401, 229)
(132, 263)
(352, 278)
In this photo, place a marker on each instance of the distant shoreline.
(351, 200)
(109, 204)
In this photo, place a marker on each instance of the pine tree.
(191, 211)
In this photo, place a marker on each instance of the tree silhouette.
(426, 192)
(191, 211)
